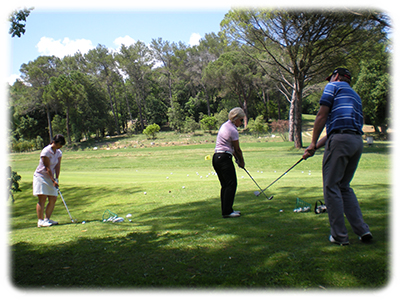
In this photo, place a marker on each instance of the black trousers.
(223, 165)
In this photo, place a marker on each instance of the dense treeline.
(271, 63)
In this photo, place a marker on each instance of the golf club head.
(270, 198)
(257, 193)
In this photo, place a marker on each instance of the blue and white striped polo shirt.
(346, 108)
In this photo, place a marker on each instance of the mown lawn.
(177, 237)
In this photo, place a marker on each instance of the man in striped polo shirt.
(341, 112)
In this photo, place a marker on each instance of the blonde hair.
(236, 113)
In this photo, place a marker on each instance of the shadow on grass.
(79, 201)
(190, 246)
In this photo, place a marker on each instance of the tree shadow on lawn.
(190, 245)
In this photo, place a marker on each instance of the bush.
(221, 117)
(208, 123)
(191, 125)
(282, 128)
(13, 179)
(257, 126)
(151, 130)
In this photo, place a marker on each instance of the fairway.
(176, 236)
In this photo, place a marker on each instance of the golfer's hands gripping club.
(55, 183)
(241, 165)
(310, 151)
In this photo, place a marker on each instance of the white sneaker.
(232, 215)
(332, 240)
(43, 223)
(51, 221)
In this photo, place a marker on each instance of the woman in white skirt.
(45, 180)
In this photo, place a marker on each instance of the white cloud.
(49, 46)
(12, 78)
(194, 39)
(126, 40)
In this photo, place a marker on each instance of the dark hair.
(345, 79)
(59, 139)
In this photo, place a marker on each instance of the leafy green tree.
(67, 91)
(176, 116)
(37, 74)
(235, 73)
(17, 21)
(373, 87)
(101, 63)
(302, 46)
(135, 61)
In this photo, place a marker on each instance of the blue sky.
(62, 32)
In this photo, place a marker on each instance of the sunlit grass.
(176, 236)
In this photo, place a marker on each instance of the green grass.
(177, 237)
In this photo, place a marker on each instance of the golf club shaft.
(283, 174)
(255, 183)
(65, 204)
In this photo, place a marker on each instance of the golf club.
(269, 198)
(258, 193)
(65, 204)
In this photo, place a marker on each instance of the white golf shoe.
(234, 214)
(51, 221)
(44, 223)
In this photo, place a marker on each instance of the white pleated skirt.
(43, 186)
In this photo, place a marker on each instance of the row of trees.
(269, 62)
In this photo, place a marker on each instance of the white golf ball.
(281, 210)
(145, 193)
(183, 187)
(83, 222)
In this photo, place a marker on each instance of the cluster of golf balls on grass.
(302, 209)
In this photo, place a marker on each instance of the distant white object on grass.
(145, 193)
(129, 215)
